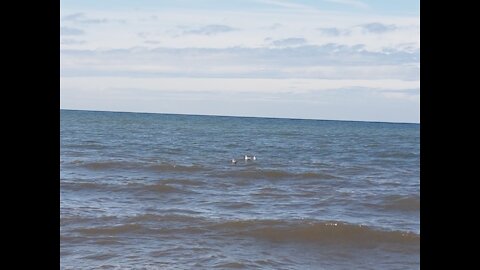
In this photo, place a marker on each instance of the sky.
(314, 59)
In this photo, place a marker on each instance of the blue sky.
(324, 59)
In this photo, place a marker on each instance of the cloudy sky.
(315, 59)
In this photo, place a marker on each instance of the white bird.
(250, 158)
(234, 161)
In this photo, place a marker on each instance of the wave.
(291, 231)
(76, 219)
(85, 146)
(146, 224)
(108, 241)
(137, 219)
(236, 205)
(397, 154)
(276, 174)
(100, 256)
(78, 186)
(164, 218)
(231, 265)
(183, 182)
(106, 165)
(113, 230)
(269, 192)
(137, 166)
(403, 203)
(316, 232)
(165, 167)
(157, 187)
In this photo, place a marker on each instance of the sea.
(160, 191)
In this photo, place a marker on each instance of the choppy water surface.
(158, 191)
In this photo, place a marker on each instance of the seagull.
(250, 158)
(234, 161)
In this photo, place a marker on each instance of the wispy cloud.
(73, 17)
(289, 42)
(144, 35)
(155, 42)
(251, 85)
(332, 31)
(285, 4)
(80, 17)
(331, 61)
(211, 29)
(352, 3)
(69, 41)
(410, 95)
(68, 31)
(275, 26)
(378, 28)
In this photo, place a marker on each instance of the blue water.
(159, 191)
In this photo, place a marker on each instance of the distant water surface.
(159, 191)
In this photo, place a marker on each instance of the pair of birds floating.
(246, 158)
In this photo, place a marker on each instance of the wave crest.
(277, 174)
(315, 231)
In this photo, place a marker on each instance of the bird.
(234, 161)
(250, 158)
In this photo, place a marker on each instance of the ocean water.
(159, 191)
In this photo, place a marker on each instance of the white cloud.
(221, 29)
(331, 31)
(73, 17)
(328, 61)
(289, 42)
(211, 29)
(286, 4)
(415, 97)
(82, 18)
(229, 85)
(70, 41)
(68, 31)
(334, 64)
(352, 3)
(155, 42)
(378, 27)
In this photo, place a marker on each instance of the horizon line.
(243, 116)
